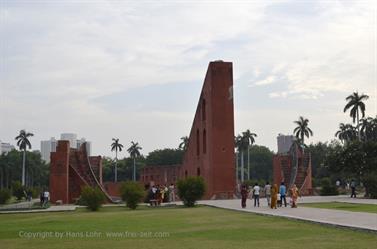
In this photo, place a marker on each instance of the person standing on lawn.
(267, 192)
(294, 195)
(274, 196)
(244, 194)
(353, 189)
(283, 192)
(256, 190)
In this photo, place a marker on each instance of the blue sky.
(134, 69)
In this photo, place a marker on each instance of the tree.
(36, 173)
(368, 129)
(116, 146)
(346, 133)
(191, 189)
(249, 137)
(261, 162)
(302, 130)
(132, 193)
(134, 151)
(92, 197)
(241, 144)
(23, 142)
(356, 159)
(165, 157)
(355, 103)
(184, 144)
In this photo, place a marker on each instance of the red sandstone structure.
(210, 151)
(71, 170)
(292, 165)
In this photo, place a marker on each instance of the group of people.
(275, 196)
(161, 193)
(347, 185)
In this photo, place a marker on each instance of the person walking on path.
(294, 195)
(353, 189)
(256, 190)
(171, 193)
(267, 192)
(244, 194)
(274, 196)
(283, 191)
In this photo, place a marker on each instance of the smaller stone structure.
(71, 170)
(294, 167)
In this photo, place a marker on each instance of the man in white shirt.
(267, 192)
(256, 190)
(46, 196)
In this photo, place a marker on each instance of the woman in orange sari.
(274, 196)
(294, 195)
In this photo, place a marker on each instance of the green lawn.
(369, 208)
(200, 227)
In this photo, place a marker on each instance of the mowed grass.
(200, 227)
(369, 208)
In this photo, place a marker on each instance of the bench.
(153, 202)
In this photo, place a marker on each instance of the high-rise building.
(284, 143)
(88, 145)
(71, 137)
(5, 147)
(49, 146)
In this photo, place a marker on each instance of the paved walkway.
(61, 208)
(19, 205)
(355, 220)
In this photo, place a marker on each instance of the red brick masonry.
(210, 151)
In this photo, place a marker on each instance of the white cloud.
(57, 57)
(267, 81)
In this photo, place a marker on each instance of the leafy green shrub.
(190, 190)
(36, 191)
(4, 196)
(92, 197)
(370, 183)
(328, 188)
(132, 193)
(18, 190)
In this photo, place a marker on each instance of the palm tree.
(367, 126)
(134, 151)
(241, 144)
(116, 146)
(184, 144)
(249, 137)
(302, 130)
(341, 133)
(355, 102)
(23, 142)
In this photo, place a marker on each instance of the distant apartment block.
(284, 143)
(5, 147)
(49, 146)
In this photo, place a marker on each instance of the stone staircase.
(296, 172)
(80, 164)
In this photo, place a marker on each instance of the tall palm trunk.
(358, 127)
(236, 167)
(23, 167)
(116, 166)
(242, 167)
(134, 175)
(248, 162)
